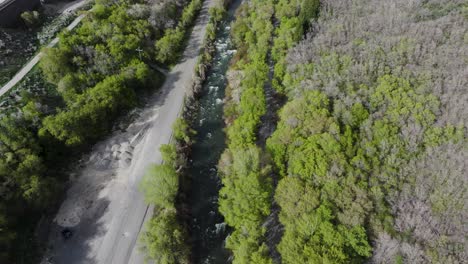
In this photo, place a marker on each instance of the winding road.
(28, 67)
(104, 208)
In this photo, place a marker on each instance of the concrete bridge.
(10, 10)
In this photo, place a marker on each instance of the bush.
(165, 240)
(217, 13)
(168, 47)
(182, 131)
(90, 116)
(189, 14)
(160, 186)
(32, 19)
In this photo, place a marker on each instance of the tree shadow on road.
(77, 248)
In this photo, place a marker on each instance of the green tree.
(31, 18)
(55, 63)
(168, 47)
(182, 131)
(160, 185)
(189, 13)
(89, 117)
(165, 239)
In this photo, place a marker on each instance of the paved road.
(28, 67)
(107, 230)
(4, 3)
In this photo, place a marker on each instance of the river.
(208, 228)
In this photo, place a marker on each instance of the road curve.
(107, 230)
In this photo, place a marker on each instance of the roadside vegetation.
(170, 46)
(97, 72)
(165, 186)
(31, 18)
(166, 238)
(204, 62)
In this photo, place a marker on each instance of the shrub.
(31, 18)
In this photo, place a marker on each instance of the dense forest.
(96, 73)
(366, 161)
(375, 130)
(370, 147)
